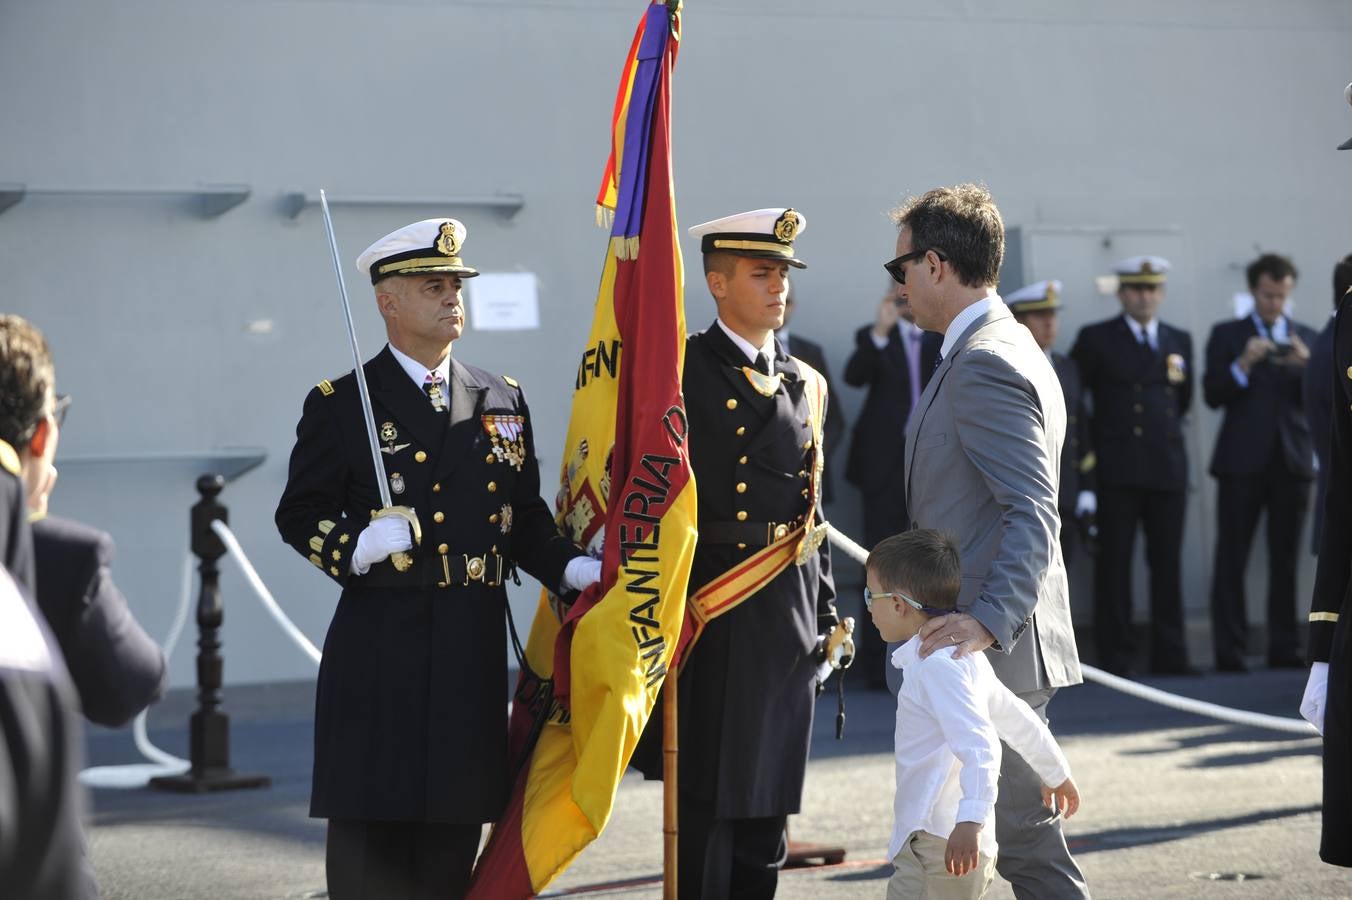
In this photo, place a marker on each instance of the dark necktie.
(762, 364)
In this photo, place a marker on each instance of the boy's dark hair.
(961, 222)
(27, 380)
(1274, 266)
(924, 562)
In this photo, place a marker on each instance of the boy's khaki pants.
(920, 873)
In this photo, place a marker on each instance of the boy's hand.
(962, 855)
(1064, 798)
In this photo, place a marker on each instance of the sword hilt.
(402, 561)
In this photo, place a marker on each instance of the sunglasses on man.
(897, 267)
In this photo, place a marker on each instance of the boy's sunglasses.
(870, 596)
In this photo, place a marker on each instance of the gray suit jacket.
(983, 453)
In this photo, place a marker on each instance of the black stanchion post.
(209, 728)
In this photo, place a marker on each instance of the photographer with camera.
(1263, 459)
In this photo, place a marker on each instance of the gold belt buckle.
(775, 532)
(474, 568)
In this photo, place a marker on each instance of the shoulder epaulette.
(325, 387)
(9, 459)
(510, 380)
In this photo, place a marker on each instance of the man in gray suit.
(983, 449)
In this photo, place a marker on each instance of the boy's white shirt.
(951, 716)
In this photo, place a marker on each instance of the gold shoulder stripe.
(325, 387)
(9, 459)
(1323, 617)
(510, 380)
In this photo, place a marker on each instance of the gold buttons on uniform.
(1349, 371)
(741, 430)
(1136, 431)
(436, 488)
(420, 456)
(443, 549)
(732, 403)
(492, 487)
(488, 458)
(438, 517)
(493, 519)
(741, 515)
(741, 461)
(741, 487)
(741, 546)
(1138, 408)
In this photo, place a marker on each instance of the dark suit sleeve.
(117, 668)
(1335, 550)
(310, 514)
(537, 543)
(1218, 382)
(862, 366)
(1185, 389)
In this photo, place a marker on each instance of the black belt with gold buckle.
(752, 534)
(443, 570)
(461, 569)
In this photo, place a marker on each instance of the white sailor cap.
(1034, 297)
(767, 233)
(432, 245)
(1142, 270)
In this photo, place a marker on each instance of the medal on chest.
(508, 434)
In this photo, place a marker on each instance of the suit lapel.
(406, 404)
(467, 406)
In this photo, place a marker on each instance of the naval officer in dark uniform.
(747, 688)
(1139, 375)
(1037, 307)
(410, 708)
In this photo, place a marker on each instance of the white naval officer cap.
(1142, 270)
(432, 245)
(1034, 297)
(766, 233)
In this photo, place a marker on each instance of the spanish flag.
(592, 670)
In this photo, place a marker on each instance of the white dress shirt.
(418, 372)
(1151, 330)
(965, 318)
(951, 716)
(751, 349)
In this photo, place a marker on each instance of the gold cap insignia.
(786, 226)
(447, 243)
(1147, 268)
(1051, 293)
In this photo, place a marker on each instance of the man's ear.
(717, 282)
(41, 435)
(386, 302)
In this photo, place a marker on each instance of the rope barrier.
(1144, 692)
(269, 603)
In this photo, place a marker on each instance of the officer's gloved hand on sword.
(378, 541)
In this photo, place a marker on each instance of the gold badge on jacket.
(1177, 369)
(508, 434)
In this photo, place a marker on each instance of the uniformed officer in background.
(1138, 373)
(410, 709)
(747, 688)
(1037, 307)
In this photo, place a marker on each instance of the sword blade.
(357, 369)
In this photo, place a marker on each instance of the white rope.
(251, 575)
(138, 775)
(1144, 692)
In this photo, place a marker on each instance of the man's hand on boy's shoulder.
(1064, 798)
(962, 854)
(957, 630)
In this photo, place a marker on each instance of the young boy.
(951, 716)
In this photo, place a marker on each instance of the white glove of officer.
(1086, 504)
(377, 541)
(1316, 695)
(581, 573)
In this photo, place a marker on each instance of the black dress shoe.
(1231, 664)
(1285, 661)
(1184, 670)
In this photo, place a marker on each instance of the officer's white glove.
(378, 540)
(1086, 504)
(1316, 694)
(581, 573)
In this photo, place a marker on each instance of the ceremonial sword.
(402, 561)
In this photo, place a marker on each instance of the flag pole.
(670, 745)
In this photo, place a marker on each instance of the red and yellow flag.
(590, 681)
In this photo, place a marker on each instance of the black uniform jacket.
(878, 446)
(1139, 396)
(411, 712)
(16, 539)
(747, 691)
(1268, 414)
(1317, 395)
(1077, 457)
(811, 353)
(1330, 610)
(117, 668)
